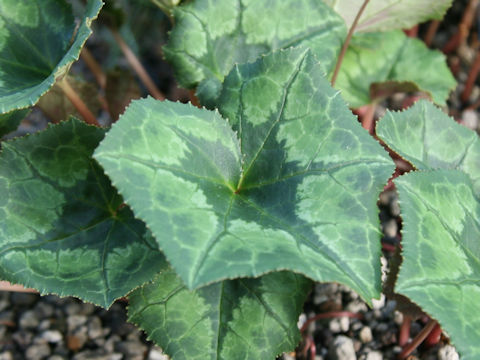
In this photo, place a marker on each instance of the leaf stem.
(137, 66)
(347, 41)
(94, 67)
(77, 102)
(407, 350)
(404, 333)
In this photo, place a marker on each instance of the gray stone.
(390, 228)
(470, 119)
(22, 338)
(365, 335)
(44, 309)
(72, 308)
(342, 349)
(37, 352)
(356, 306)
(7, 355)
(56, 357)
(447, 352)
(95, 327)
(52, 336)
(157, 354)
(29, 320)
(75, 321)
(87, 309)
(4, 304)
(131, 349)
(374, 355)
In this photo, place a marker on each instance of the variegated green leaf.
(441, 252)
(383, 15)
(441, 218)
(233, 319)
(392, 57)
(63, 228)
(296, 191)
(429, 139)
(209, 37)
(38, 43)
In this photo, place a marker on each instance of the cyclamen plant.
(214, 221)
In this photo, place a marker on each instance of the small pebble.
(470, 119)
(157, 354)
(378, 304)
(52, 336)
(342, 349)
(24, 299)
(37, 352)
(374, 355)
(29, 320)
(447, 352)
(7, 355)
(95, 327)
(365, 334)
(75, 321)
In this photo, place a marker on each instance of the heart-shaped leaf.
(10, 121)
(209, 37)
(441, 252)
(63, 229)
(392, 57)
(429, 139)
(296, 191)
(233, 319)
(441, 218)
(383, 15)
(38, 43)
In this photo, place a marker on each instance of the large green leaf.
(296, 191)
(392, 57)
(38, 43)
(63, 229)
(382, 15)
(209, 37)
(441, 252)
(429, 139)
(233, 319)
(10, 121)
(441, 218)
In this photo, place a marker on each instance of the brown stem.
(6, 286)
(431, 31)
(472, 77)
(94, 67)
(463, 28)
(408, 349)
(412, 32)
(404, 333)
(368, 119)
(347, 42)
(137, 66)
(77, 102)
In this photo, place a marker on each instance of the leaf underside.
(62, 227)
(441, 218)
(392, 57)
(296, 190)
(38, 43)
(209, 37)
(233, 319)
(384, 15)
